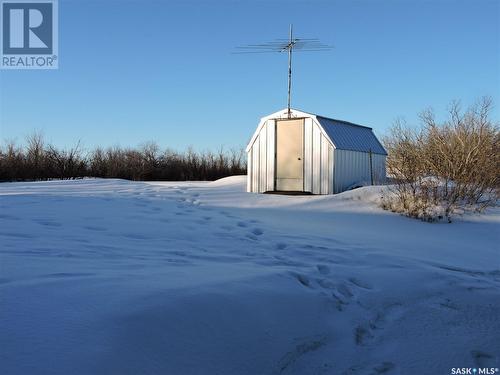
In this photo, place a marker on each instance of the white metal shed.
(310, 153)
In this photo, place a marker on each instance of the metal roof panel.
(349, 136)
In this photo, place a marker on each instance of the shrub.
(442, 168)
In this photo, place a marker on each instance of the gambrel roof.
(342, 134)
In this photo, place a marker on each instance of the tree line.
(37, 160)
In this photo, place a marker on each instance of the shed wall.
(353, 167)
(270, 149)
(261, 160)
(318, 160)
(308, 154)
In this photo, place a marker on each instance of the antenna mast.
(289, 47)
(286, 45)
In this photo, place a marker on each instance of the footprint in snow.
(326, 284)
(9, 217)
(135, 236)
(483, 359)
(367, 330)
(257, 231)
(281, 246)
(360, 284)
(384, 368)
(303, 279)
(362, 334)
(302, 348)
(47, 223)
(323, 269)
(227, 214)
(18, 235)
(94, 228)
(345, 291)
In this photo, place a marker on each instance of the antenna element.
(286, 45)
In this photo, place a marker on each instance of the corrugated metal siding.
(308, 154)
(379, 169)
(330, 168)
(353, 167)
(249, 171)
(325, 172)
(347, 136)
(271, 130)
(263, 159)
(255, 165)
(316, 160)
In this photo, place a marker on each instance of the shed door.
(290, 155)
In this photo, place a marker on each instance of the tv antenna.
(286, 45)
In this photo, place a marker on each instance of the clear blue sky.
(134, 71)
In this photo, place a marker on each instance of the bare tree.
(68, 163)
(38, 160)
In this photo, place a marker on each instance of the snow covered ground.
(118, 277)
